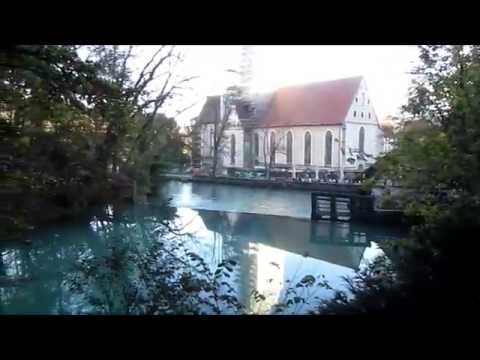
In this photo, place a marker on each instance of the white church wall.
(353, 137)
(226, 153)
(318, 134)
(206, 140)
(362, 114)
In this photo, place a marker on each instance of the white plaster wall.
(233, 127)
(362, 104)
(372, 140)
(350, 137)
(205, 140)
(318, 134)
(238, 133)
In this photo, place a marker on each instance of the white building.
(323, 127)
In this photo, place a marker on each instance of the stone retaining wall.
(272, 184)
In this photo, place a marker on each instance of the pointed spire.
(246, 68)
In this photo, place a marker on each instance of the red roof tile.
(324, 103)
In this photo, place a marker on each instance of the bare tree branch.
(142, 83)
(142, 73)
(124, 64)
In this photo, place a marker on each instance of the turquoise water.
(267, 233)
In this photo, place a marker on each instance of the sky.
(385, 69)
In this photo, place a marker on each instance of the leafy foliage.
(437, 156)
(71, 126)
(167, 278)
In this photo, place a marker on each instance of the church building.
(319, 128)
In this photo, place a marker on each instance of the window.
(361, 140)
(272, 147)
(368, 101)
(212, 141)
(256, 144)
(354, 114)
(369, 115)
(328, 149)
(232, 150)
(356, 99)
(361, 114)
(308, 149)
(289, 147)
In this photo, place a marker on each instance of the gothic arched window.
(328, 148)
(289, 147)
(272, 147)
(256, 144)
(232, 149)
(361, 140)
(308, 149)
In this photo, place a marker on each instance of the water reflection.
(32, 274)
(270, 251)
(294, 203)
(273, 250)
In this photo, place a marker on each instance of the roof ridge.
(319, 103)
(318, 82)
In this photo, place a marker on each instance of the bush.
(388, 202)
(367, 186)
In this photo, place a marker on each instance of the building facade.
(322, 127)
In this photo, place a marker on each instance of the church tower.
(246, 68)
(246, 77)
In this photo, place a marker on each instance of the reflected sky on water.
(272, 251)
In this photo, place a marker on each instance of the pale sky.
(383, 67)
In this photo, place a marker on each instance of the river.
(266, 232)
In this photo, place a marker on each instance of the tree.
(437, 156)
(69, 124)
(54, 74)
(135, 112)
(442, 155)
(273, 143)
(46, 93)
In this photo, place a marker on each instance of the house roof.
(322, 103)
(210, 110)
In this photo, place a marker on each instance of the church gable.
(361, 109)
(233, 119)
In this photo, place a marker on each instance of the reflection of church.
(261, 244)
(337, 243)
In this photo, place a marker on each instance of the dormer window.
(356, 99)
(354, 114)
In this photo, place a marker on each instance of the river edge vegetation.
(82, 130)
(431, 271)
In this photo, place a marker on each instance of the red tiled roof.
(323, 103)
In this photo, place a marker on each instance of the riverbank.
(367, 209)
(263, 183)
(24, 208)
